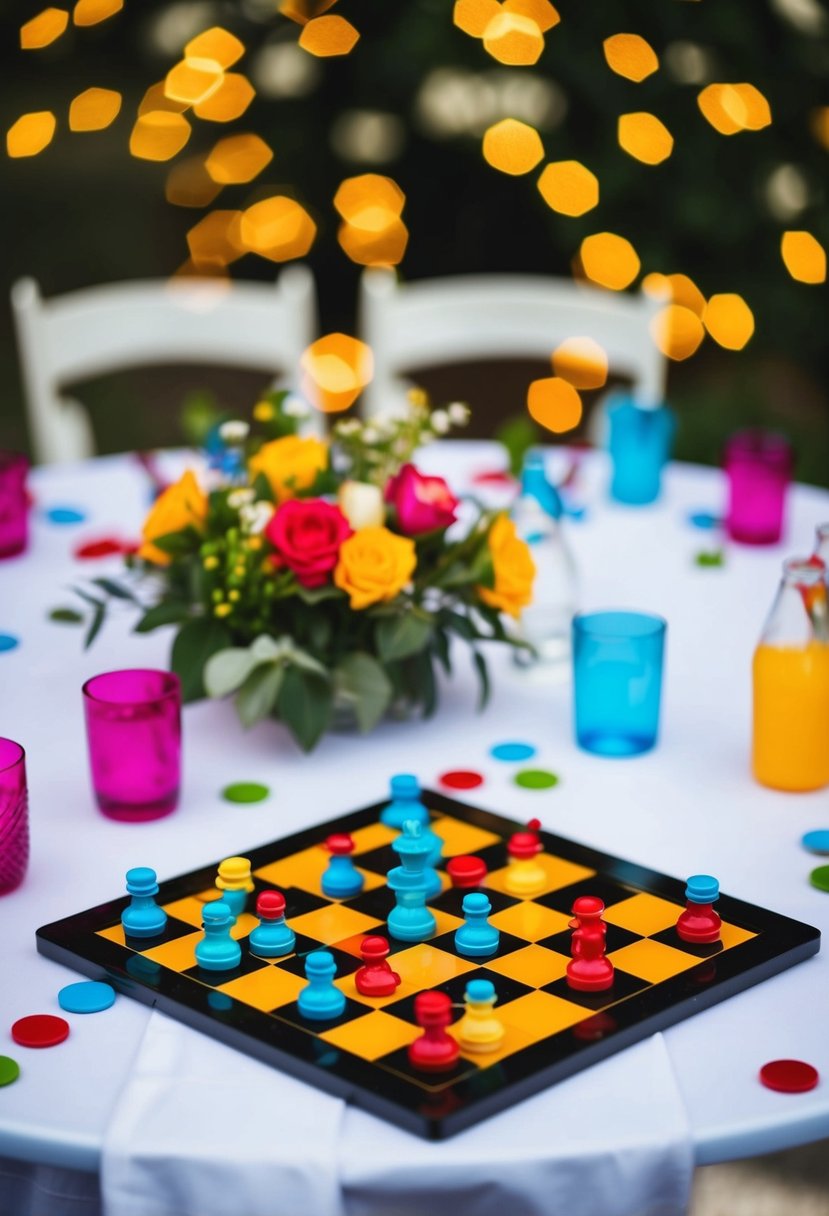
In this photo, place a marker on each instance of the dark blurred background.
(413, 101)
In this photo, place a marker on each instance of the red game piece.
(270, 905)
(339, 844)
(526, 844)
(589, 970)
(461, 779)
(435, 1050)
(789, 1076)
(40, 1030)
(375, 977)
(699, 923)
(466, 871)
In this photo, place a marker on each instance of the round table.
(690, 806)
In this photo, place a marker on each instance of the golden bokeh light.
(190, 185)
(804, 257)
(473, 16)
(609, 260)
(302, 11)
(216, 44)
(43, 29)
(159, 135)
(210, 269)
(193, 80)
(819, 123)
(366, 193)
(541, 12)
(645, 137)
(91, 12)
(677, 331)
(31, 133)
(729, 320)
(278, 228)
(231, 99)
(156, 99)
(336, 369)
(554, 404)
(216, 238)
(629, 55)
(237, 159)
(679, 288)
(568, 187)
(94, 109)
(513, 147)
(731, 108)
(582, 362)
(328, 36)
(513, 39)
(367, 247)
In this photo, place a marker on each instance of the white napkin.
(202, 1130)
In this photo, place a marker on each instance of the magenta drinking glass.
(133, 727)
(758, 465)
(14, 504)
(14, 816)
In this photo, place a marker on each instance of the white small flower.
(295, 407)
(361, 504)
(240, 498)
(234, 432)
(370, 435)
(458, 413)
(348, 426)
(255, 516)
(440, 422)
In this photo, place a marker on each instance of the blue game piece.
(410, 920)
(817, 841)
(405, 805)
(702, 889)
(143, 917)
(236, 901)
(512, 751)
(217, 951)
(90, 996)
(321, 1000)
(271, 938)
(341, 879)
(476, 938)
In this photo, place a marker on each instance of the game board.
(551, 1031)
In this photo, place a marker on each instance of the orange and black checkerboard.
(551, 1030)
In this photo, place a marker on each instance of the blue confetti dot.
(512, 751)
(704, 520)
(817, 841)
(8, 641)
(65, 515)
(90, 996)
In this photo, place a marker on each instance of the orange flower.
(374, 565)
(181, 505)
(514, 569)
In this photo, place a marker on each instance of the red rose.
(422, 503)
(306, 534)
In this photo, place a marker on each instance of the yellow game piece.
(235, 882)
(479, 1029)
(525, 875)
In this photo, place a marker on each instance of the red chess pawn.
(375, 977)
(699, 924)
(589, 970)
(435, 1050)
(525, 844)
(466, 872)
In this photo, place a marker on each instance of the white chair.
(440, 321)
(102, 329)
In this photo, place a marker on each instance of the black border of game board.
(780, 943)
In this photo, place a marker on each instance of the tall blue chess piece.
(320, 999)
(406, 804)
(476, 938)
(143, 917)
(217, 951)
(410, 920)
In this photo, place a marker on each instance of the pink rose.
(422, 503)
(306, 534)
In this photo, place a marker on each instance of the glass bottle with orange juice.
(791, 683)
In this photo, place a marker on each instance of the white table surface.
(690, 806)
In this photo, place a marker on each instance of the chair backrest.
(101, 329)
(440, 321)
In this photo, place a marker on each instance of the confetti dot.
(536, 779)
(820, 878)
(8, 641)
(9, 1070)
(461, 779)
(704, 520)
(89, 996)
(107, 546)
(789, 1076)
(66, 616)
(40, 1030)
(512, 751)
(245, 791)
(706, 557)
(65, 515)
(817, 841)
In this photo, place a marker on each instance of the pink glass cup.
(758, 465)
(133, 727)
(14, 816)
(14, 504)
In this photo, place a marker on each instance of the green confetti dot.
(245, 791)
(820, 878)
(66, 616)
(9, 1070)
(536, 779)
(711, 558)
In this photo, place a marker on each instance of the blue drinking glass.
(617, 678)
(640, 444)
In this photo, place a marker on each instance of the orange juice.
(791, 716)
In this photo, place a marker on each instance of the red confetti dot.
(461, 779)
(789, 1076)
(106, 546)
(40, 1030)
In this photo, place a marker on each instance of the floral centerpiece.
(313, 577)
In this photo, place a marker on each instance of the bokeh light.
(278, 228)
(629, 55)
(729, 320)
(645, 137)
(677, 331)
(91, 12)
(94, 109)
(31, 133)
(373, 233)
(216, 44)
(568, 187)
(513, 39)
(216, 238)
(229, 101)
(190, 185)
(193, 80)
(156, 99)
(513, 147)
(804, 257)
(368, 248)
(609, 260)
(43, 29)
(367, 193)
(238, 158)
(731, 108)
(554, 404)
(159, 135)
(582, 362)
(473, 16)
(679, 288)
(328, 36)
(544, 14)
(336, 369)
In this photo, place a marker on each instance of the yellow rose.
(374, 565)
(514, 569)
(291, 464)
(181, 504)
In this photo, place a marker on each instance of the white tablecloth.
(689, 806)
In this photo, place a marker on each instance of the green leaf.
(306, 661)
(169, 612)
(178, 544)
(262, 488)
(459, 624)
(316, 595)
(227, 670)
(304, 705)
(401, 636)
(66, 616)
(483, 677)
(194, 643)
(440, 646)
(98, 617)
(257, 696)
(364, 681)
(92, 600)
(114, 589)
(426, 681)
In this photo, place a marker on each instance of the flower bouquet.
(314, 579)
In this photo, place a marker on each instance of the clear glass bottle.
(790, 744)
(546, 622)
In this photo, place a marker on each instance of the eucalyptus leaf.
(483, 678)
(194, 644)
(97, 621)
(316, 595)
(401, 636)
(364, 681)
(114, 589)
(257, 696)
(227, 670)
(169, 612)
(304, 705)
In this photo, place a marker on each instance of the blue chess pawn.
(406, 804)
(217, 951)
(143, 917)
(341, 879)
(271, 938)
(320, 1000)
(476, 938)
(410, 920)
